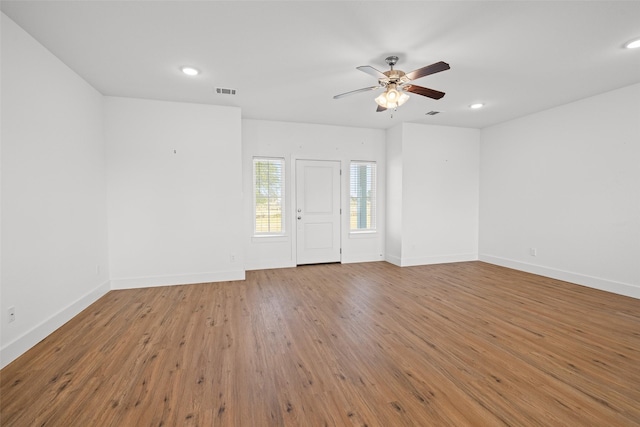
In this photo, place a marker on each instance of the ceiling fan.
(395, 84)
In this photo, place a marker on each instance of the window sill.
(275, 238)
(363, 234)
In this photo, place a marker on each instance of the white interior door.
(317, 211)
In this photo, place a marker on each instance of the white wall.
(54, 224)
(175, 192)
(394, 195)
(439, 186)
(566, 182)
(306, 141)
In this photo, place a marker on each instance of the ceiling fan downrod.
(391, 60)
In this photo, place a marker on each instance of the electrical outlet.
(232, 258)
(533, 251)
(12, 314)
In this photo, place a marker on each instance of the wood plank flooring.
(463, 344)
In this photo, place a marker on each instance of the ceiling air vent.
(225, 91)
(432, 113)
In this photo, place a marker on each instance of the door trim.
(294, 202)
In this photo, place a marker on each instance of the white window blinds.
(362, 190)
(268, 190)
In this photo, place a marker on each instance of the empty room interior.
(320, 213)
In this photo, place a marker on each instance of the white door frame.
(294, 201)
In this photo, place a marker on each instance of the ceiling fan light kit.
(391, 98)
(394, 83)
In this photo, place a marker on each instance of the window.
(268, 190)
(362, 189)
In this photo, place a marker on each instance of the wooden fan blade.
(429, 69)
(353, 92)
(372, 71)
(424, 91)
(380, 108)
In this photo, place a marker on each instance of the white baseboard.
(181, 279)
(20, 345)
(269, 265)
(392, 259)
(567, 276)
(352, 259)
(438, 259)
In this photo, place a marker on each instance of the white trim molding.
(437, 259)
(620, 288)
(20, 345)
(182, 279)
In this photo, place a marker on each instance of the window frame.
(283, 210)
(373, 199)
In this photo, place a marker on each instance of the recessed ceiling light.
(476, 106)
(633, 44)
(190, 71)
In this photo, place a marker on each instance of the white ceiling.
(287, 59)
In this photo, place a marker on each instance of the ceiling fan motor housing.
(393, 76)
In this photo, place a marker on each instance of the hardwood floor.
(339, 345)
